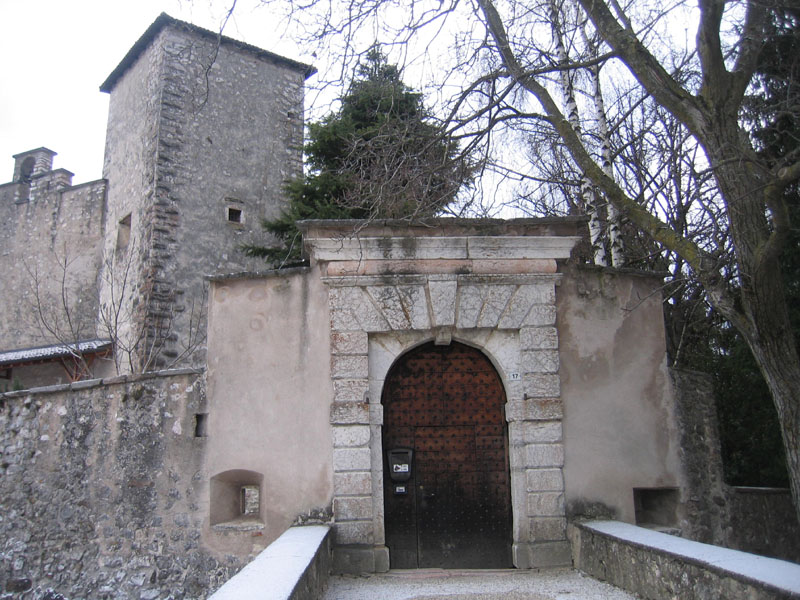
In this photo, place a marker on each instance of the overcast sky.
(54, 54)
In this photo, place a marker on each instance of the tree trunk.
(777, 358)
(763, 318)
(588, 195)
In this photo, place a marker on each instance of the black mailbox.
(400, 464)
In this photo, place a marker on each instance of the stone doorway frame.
(504, 306)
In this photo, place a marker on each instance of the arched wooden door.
(446, 403)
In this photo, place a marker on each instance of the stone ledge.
(687, 569)
(293, 567)
(241, 524)
(440, 267)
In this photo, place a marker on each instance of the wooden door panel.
(447, 404)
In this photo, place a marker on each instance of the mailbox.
(400, 464)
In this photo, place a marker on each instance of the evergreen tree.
(378, 157)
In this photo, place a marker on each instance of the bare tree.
(503, 69)
(143, 331)
(66, 311)
(62, 308)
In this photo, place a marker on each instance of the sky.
(54, 54)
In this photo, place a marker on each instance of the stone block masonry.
(102, 493)
(41, 262)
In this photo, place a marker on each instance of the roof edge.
(164, 20)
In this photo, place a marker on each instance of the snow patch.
(278, 568)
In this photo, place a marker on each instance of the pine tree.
(378, 157)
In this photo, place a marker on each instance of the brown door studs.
(446, 478)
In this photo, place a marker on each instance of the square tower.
(203, 132)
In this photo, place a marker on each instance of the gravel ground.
(436, 584)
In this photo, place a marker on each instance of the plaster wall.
(52, 233)
(37, 375)
(619, 422)
(269, 391)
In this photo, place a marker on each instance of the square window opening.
(234, 215)
(251, 501)
(124, 233)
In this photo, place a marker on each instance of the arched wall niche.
(236, 497)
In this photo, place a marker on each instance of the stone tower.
(203, 131)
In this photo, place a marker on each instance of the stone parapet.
(293, 567)
(659, 566)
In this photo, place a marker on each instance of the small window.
(251, 503)
(234, 215)
(124, 233)
(26, 170)
(200, 425)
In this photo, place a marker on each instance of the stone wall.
(102, 493)
(758, 520)
(657, 566)
(763, 521)
(706, 513)
(50, 232)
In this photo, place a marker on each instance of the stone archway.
(388, 294)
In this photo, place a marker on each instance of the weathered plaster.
(269, 391)
(618, 403)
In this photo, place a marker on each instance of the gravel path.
(437, 584)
